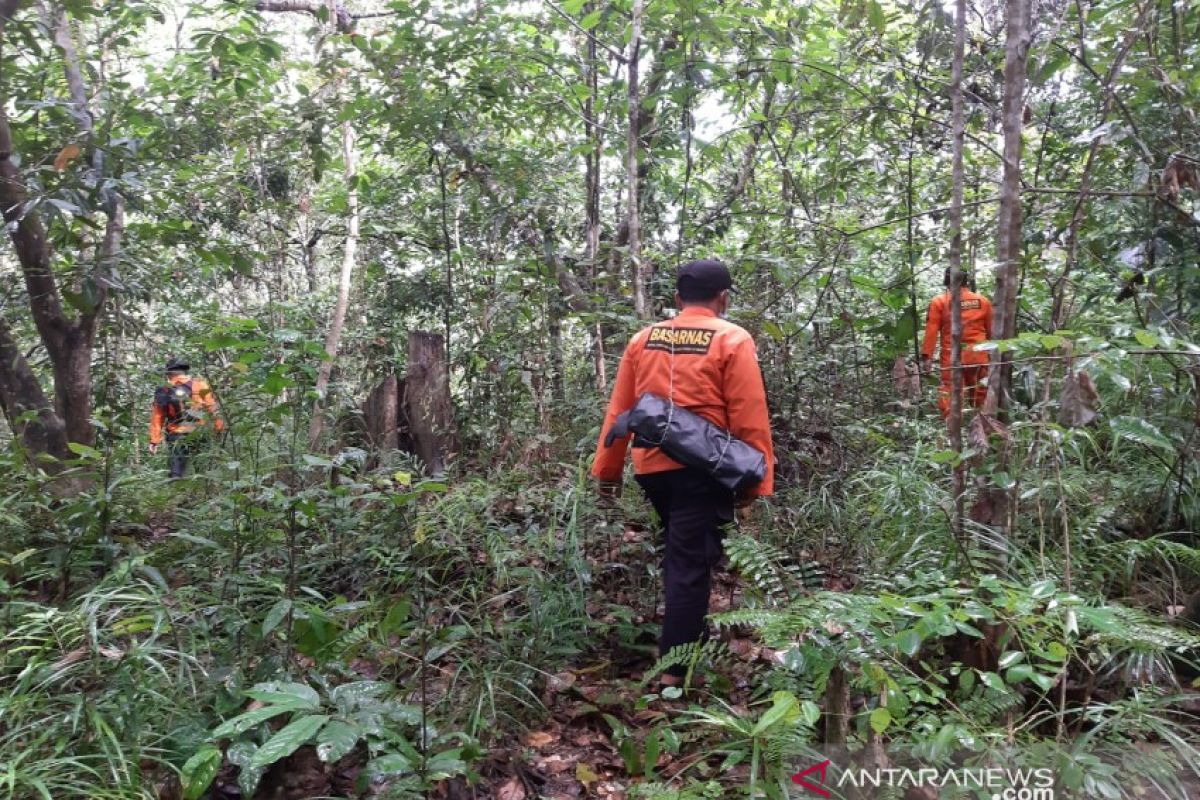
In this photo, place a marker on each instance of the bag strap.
(670, 325)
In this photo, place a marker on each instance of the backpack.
(173, 399)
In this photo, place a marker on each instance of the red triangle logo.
(816, 788)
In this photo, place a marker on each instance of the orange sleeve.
(156, 424)
(208, 401)
(933, 327)
(746, 402)
(610, 461)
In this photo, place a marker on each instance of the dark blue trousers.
(693, 509)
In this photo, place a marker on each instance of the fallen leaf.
(1078, 405)
(585, 775)
(552, 765)
(541, 739)
(66, 156)
(561, 681)
(513, 790)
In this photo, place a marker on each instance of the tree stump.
(427, 400)
(382, 413)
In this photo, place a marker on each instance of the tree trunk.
(68, 342)
(994, 504)
(642, 304)
(349, 253)
(837, 708)
(25, 406)
(382, 413)
(1008, 247)
(956, 244)
(427, 400)
(591, 129)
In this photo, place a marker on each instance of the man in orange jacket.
(181, 407)
(709, 366)
(976, 328)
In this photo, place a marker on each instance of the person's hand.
(153, 448)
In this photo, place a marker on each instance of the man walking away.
(977, 327)
(709, 366)
(182, 408)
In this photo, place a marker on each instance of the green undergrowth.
(164, 637)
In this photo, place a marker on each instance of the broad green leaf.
(288, 740)
(875, 16)
(1056, 651)
(199, 771)
(992, 681)
(1019, 673)
(240, 754)
(1010, 658)
(880, 719)
(909, 642)
(1145, 338)
(336, 740)
(810, 712)
(244, 722)
(591, 20)
(83, 450)
(391, 764)
(276, 615)
(1044, 682)
(1139, 430)
(573, 6)
(350, 696)
(295, 695)
(786, 705)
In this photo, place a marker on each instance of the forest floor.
(600, 710)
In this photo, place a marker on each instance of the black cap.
(176, 364)
(702, 280)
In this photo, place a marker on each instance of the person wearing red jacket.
(976, 328)
(709, 366)
(181, 408)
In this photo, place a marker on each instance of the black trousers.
(180, 447)
(693, 508)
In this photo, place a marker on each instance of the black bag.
(691, 440)
(175, 400)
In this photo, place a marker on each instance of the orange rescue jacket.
(204, 403)
(716, 375)
(976, 321)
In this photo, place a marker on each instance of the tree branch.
(342, 18)
(8, 8)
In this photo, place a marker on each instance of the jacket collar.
(696, 312)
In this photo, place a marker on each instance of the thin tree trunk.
(642, 305)
(956, 245)
(591, 129)
(995, 503)
(349, 253)
(1009, 244)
